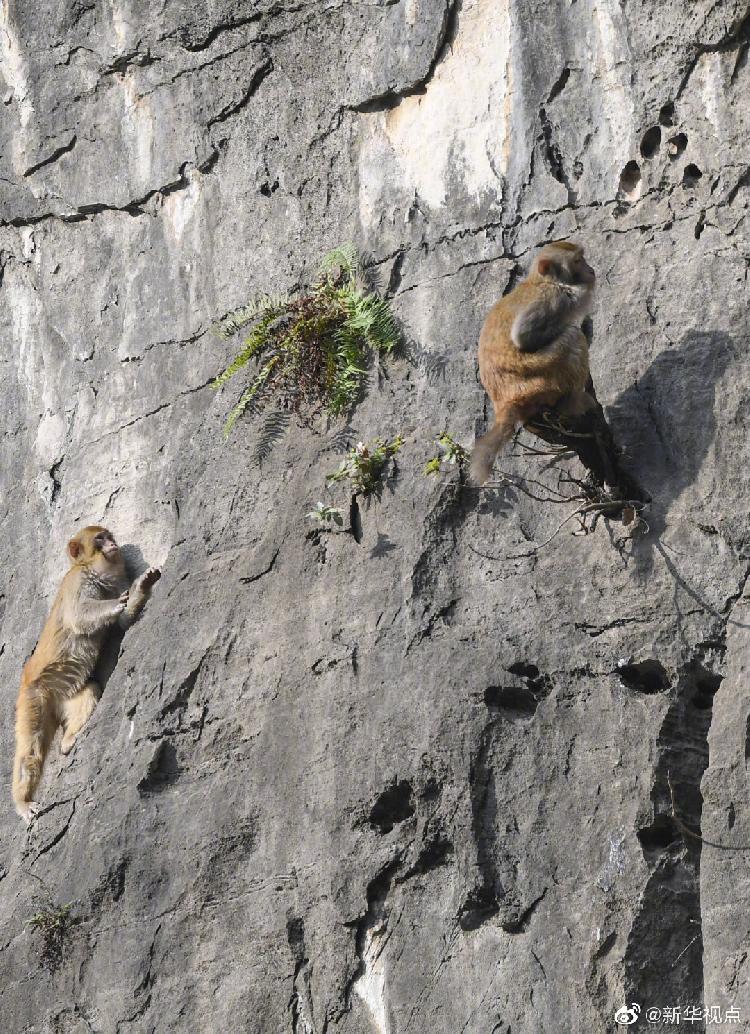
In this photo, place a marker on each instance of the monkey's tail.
(486, 448)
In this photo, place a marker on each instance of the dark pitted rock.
(416, 778)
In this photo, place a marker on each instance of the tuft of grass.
(311, 351)
(54, 925)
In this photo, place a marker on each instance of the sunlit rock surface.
(439, 780)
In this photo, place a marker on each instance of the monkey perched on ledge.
(56, 685)
(532, 351)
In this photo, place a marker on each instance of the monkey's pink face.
(106, 545)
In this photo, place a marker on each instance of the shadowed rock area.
(434, 776)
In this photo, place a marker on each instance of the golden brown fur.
(532, 351)
(56, 686)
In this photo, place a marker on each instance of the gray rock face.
(437, 777)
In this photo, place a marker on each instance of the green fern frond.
(315, 347)
(248, 395)
(344, 258)
(255, 343)
(370, 317)
(238, 319)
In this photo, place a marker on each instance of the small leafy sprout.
(311, 351)
(364, 465)
(54, 925)
(449, 452)
(327, 514)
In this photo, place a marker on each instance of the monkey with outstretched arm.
(56, 684)
(532, 351)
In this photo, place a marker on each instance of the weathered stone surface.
(401, 784)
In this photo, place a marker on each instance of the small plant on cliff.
(54, 925)
(311, 350)
(364, 465)
(449, 451)
(326, 515)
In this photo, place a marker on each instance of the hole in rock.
(295, 933)
(660, 835)
(666, 115)
(539, 683)
(526, 671)
(517, 699)
(691, 176)
(479, 906)
(163, 769)
(677, 145)
(645, 676)
(394, 805)
(630, 181)
(355, 519)
(651, 142)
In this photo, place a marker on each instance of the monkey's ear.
(74, 548)
(546, 266)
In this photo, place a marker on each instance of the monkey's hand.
(147, 580)
(94, 615)
(140, 591)
(119, 605)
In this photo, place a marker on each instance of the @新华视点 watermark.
(627, 1015)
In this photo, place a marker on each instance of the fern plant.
(311, 351)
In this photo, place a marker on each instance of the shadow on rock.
(665, 423)
(135, 565)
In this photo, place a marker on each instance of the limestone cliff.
(417, 780)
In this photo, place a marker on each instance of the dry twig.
(682, 825)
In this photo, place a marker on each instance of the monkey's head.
(94, 544)
(564, 262)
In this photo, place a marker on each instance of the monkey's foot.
(28, 810)
(574, 404)
(66, 744)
